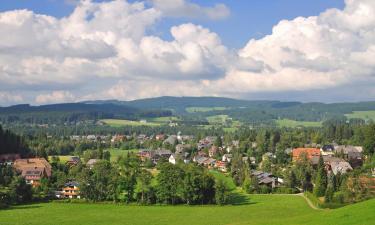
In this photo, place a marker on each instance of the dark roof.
(71, 183)
(328, 148)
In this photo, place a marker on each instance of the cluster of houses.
(337, 158)
(33, 170)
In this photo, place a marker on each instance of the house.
(174, 158)
(202, 153)
(163, 153)
(144, 154)
(118, 138)
(160, 137)
(340, 167)
(206, 142)
(70, 190)
(209, 163)
(222, 166)
(227, 158)
(199, 159)
(91, 137)
(328, 150)
(73, 160)
(91, 163)
(236, 143)
(213, 151)
(171, 140)
(75, 138)
(265, 178)
(154, 155)
(349, 152)
(180, 148)
(309, 152)
(33, 169)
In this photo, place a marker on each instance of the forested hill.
(179, 104)
(189, 108)
(72, 112)
(246, 110)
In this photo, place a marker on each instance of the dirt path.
(309, 202)
(301, 195)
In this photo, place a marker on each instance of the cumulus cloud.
(9, 97)
(104, 50)
(55, 97)
(184, 8)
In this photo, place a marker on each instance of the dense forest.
(12, 143)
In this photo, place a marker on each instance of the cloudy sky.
(67, 50)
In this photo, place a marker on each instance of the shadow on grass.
(28, 206)
(238, 198)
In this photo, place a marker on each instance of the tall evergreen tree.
(321, 179)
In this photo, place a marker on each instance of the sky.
(54, 51)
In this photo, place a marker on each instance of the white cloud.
(104, 50)
(184, 8)
(9, 97)
(55, 97)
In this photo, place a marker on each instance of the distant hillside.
(179, 104)
(70, 112)
(193, 109)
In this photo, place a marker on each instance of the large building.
(33, 169)
(310, 153)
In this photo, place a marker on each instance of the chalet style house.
(33, 169)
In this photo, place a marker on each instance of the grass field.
(294, 123)
(366, 115)
(115, 153)
(165, 119)
(218, 119)
(121, 123)
(63, 158)
(204, 109)
(259, 209)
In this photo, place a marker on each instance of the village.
(209, 152)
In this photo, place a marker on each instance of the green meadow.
(366, 115)
(252, 209)
(115, 153)
(295, 123)
(157, 121)
(62, 158)
(121, 123)
(204, 109)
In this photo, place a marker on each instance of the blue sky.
(71, 50)
(248, 19)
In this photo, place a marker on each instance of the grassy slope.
(120, 123)
(366, 115)
(262, 209)
(294, 123)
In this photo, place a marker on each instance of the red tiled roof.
(310, 152)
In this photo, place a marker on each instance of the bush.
(265, 189)
(4, 199)
(338, 197)
(285, 190)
